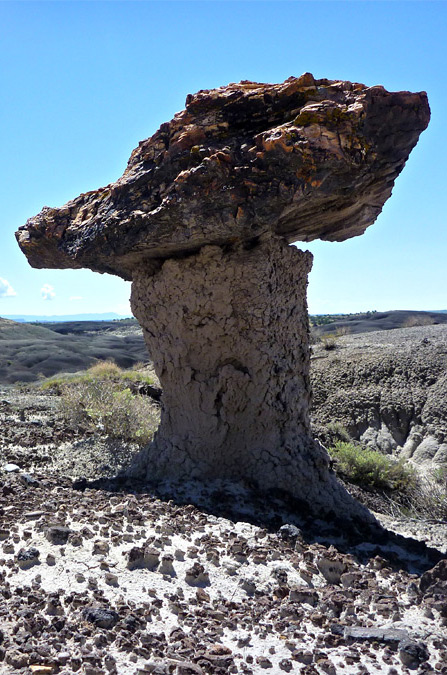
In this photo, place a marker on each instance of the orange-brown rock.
(304, 159)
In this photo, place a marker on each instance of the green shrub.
(371, 469)
(338, 432)
(103, 405)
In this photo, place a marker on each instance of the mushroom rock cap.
(304, 159)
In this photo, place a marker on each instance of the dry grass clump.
(103, 370)
(329, 341)
(429, 497)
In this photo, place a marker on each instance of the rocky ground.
(101, 576)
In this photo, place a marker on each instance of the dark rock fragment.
(149, 390)
(80, 484)
(103, 618)
(289, 533)
(432, 577)
(197, 575)
(412, 654)
(142, 558)
(57, 534)
(154, 667)
(27, 558)
(29, 480)
(303, 594)
(332, 568)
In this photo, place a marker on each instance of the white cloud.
(6, 290)
(47, 292)
(76, 297)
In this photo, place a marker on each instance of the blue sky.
(83, 82)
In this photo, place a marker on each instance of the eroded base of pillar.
(228, 333)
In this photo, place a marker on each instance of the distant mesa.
(200, 222)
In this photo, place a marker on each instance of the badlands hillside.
(29, 352)
(387, 389)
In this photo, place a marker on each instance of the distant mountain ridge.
(374, 321)
(57, 318)
(113, 316)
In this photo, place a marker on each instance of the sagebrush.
(409, 493)
(371, 469)
(104, 371)
(103, 399)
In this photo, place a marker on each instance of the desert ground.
(104, 574)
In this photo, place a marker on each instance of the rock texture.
(197, 577)
(243, 360)
(217, 588)
(200, 221)
(304, 159)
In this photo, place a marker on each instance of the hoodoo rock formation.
(201, 222)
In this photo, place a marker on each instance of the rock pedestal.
(227, 330)
(200, 222)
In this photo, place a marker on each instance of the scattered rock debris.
(113, 576)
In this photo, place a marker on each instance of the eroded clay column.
(228, 332)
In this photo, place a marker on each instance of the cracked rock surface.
(302, 159)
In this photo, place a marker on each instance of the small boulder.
(27, 558)
(197, 575)
(331, 567)
(103, 618)
(434, 577)
(58, 534)
(412, 654)
(143, 558)
(290, 533)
